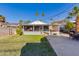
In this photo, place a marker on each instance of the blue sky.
(26, 11)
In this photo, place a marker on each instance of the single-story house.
(36, 27)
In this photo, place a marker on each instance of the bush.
(19, 28)
(19, 31)
(69, 25)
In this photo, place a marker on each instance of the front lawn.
(24, 45)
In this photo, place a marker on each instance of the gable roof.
(37, 22)
(60, 22)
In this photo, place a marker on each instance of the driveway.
(64, 46)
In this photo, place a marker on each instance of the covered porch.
(36, 28)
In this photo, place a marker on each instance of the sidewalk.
(63, 34)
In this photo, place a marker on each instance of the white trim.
(37, 23)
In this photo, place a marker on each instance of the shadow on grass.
(38, 49)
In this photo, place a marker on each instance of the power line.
(60, 13)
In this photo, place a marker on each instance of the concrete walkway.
(64, 46)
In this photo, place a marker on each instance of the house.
(39, 27)
(36, 27)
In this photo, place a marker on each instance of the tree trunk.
(77, 24)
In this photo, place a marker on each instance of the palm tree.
(36, 13)
(27, 21)
(20, 21)
(43, 14)
(75, 12)
(20, 24)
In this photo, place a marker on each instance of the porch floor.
(35, 32)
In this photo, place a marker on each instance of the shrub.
(19, 31)
(19, 28)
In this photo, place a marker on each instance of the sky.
(14, 12)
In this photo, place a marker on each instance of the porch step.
(35, 33)
(32, 33)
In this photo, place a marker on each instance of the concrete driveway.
(64, 46)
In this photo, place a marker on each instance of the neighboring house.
(57, 25)
(12, 27)
(54, 29)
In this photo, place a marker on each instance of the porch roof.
(37, 23)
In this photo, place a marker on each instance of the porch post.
(42, 28)
(33, 28)
(23, 27)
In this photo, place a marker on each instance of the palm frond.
(71, 14)
(68, 17)
(75, 8)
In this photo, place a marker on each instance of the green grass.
(14, 45)
(20, 39)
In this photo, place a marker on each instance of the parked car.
(74, 34)
(63, 30)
